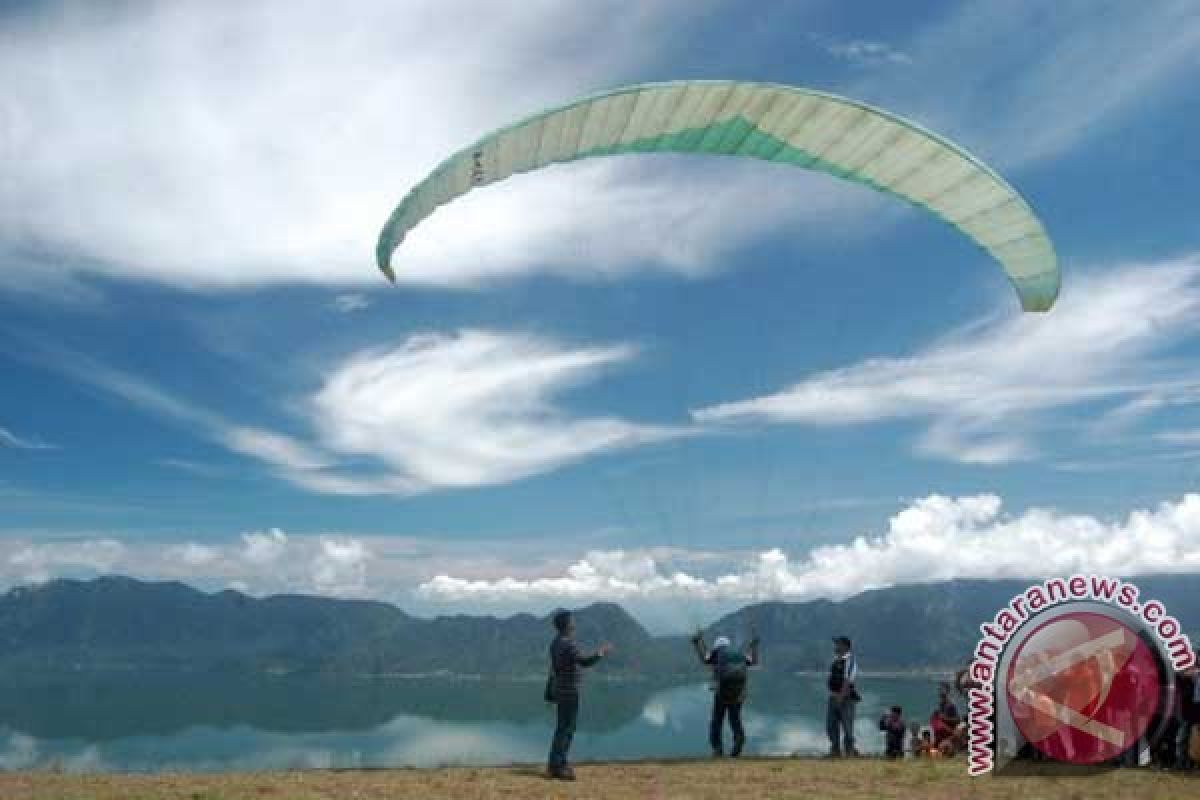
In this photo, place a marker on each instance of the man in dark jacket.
(566, 666)
(892, 724)
(1187, 690)
(729, 692)
(843, 699)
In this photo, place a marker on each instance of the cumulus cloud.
(39, 562)
(340, 566)
(986, 391)
(259, 562)
(265, 547)
(937, 538)
(195, 555)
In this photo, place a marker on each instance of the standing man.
(729, 666)
(843, 697)
(1187, 690)
(566, 668)
(892, 724)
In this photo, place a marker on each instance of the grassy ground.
(751, 778)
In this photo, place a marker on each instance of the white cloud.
(986, 391)
(196, 555)
(289, 455)
(351, 302)
(263, 548)
(440, 411)
(267, 142)
(936, 538)
(10, 439)
(340, 566)
(1189, 437)
(42, 561)
(273, 448)
(189, 466)
(472, 409)
(259, 562)
(1025, 81)
(604, 219)
(864, 52)
(314, 151)
(613, 574)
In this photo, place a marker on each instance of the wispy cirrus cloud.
(471, 409)
(474, 408)
(863, 52)
(195, 143)
(1024, 82)
(350, 302)
(986, 392)
(10, 439)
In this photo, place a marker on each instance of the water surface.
(219, 723)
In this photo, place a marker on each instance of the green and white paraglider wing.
(777, 123)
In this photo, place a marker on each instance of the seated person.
(924, 747)
(945, 720)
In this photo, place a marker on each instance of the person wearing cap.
(729, 666)
(843, 697)
(566, 674)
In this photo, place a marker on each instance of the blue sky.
(623, 378)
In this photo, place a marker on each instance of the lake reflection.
(171, 722)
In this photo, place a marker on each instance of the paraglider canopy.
(783, 124)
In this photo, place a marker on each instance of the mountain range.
(122, 624)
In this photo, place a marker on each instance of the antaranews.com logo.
(1077, 670)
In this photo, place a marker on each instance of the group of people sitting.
(943, 737)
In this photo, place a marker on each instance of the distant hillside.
(116, 623)
(912, 627)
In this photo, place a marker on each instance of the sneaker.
(833, 754)
(718, 753)
(563, 774)
(738, 744)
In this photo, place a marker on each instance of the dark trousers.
(564, 730)
(839, 724)
(895, 745)
(715, 726)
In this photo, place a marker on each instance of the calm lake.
(172, 722)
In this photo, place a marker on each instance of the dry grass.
(755, 779)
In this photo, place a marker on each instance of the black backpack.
(731, 672)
